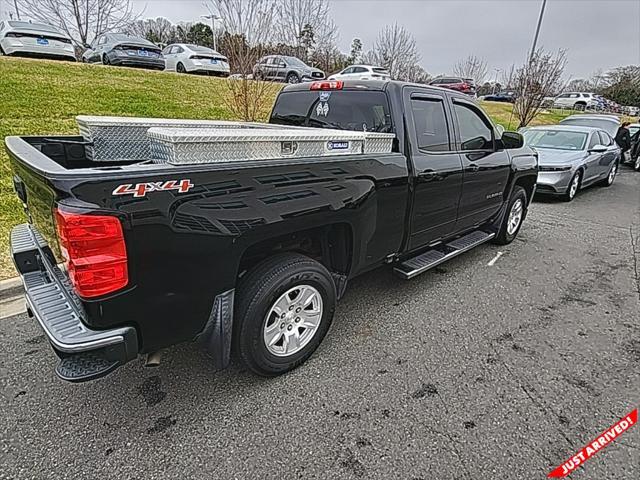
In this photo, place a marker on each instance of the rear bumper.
(131, 61)
(85, 354)
(38, 52)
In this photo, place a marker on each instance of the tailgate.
(32, 185)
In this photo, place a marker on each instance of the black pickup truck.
(250, 257)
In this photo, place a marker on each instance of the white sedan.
(362, 72)
(187, 58)
(35, 40)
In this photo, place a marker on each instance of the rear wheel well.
(331, 245)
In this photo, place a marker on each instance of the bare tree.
(539, 78)
(294, 15)
(249, 27)
(82, 20)
(395, 49)
(156, 30)
(472, 67)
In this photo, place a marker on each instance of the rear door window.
(339, 109)
(605, 139)
(432, 132)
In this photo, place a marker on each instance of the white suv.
(362, 72)
(576, 100)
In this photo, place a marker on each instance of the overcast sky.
(596, 33)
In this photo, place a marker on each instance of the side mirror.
(598, 149)
(512, 140)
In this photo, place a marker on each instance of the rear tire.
(274, 328)
(105, 60)
(293, 78)
(579, 106)
(180, 68)
(574, 187)
(636, 164)
(512, 221)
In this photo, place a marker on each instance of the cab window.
(475, 130)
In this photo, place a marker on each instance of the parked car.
(634, 131)
(608, 123)
(35, 40)
(572, 157)
(575, 100)
(274, 241)
(362, 72)
(188, 58)
(285, 69)
(508, 96)
(124, 50)
(464, 85)
(632, 111)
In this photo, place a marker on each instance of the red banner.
(604, 439)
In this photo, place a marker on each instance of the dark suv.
(285, 69)
(464, 85)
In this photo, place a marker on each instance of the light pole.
(495, 84)
(213, 19)
(535, 38)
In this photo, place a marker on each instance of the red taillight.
(327, 85)
(95, 253)
(466, 86)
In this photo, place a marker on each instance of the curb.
(11, 288)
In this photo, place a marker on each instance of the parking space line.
(494, 259)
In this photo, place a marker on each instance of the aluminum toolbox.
(125, 138)
(378, 142)
(213, 145)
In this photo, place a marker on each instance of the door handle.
(429, 175)
(472, 167)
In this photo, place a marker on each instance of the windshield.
(555, 139)
(611, 127)
(339, 109)
(33, 26)
(198, 48)
(295, 61)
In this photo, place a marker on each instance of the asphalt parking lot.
(470, 371)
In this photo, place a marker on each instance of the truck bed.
(175, 238)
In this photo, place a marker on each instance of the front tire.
(284, 310)
(611, 176)
(105, 60)
(512, 221)
(574, 187)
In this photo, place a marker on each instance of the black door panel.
(438, 169)
(486, 169)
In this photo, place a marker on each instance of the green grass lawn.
(43, 97)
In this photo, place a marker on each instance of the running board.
(440, 254)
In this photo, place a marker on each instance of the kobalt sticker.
(141, 189)
(338, 145)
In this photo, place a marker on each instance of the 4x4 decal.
(141, 189)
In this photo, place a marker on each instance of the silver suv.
(285, 69)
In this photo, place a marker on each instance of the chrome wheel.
(573, 188)
(637, 164)
(293, 78)
(293, 320)
(515, 217)
(612, 174)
